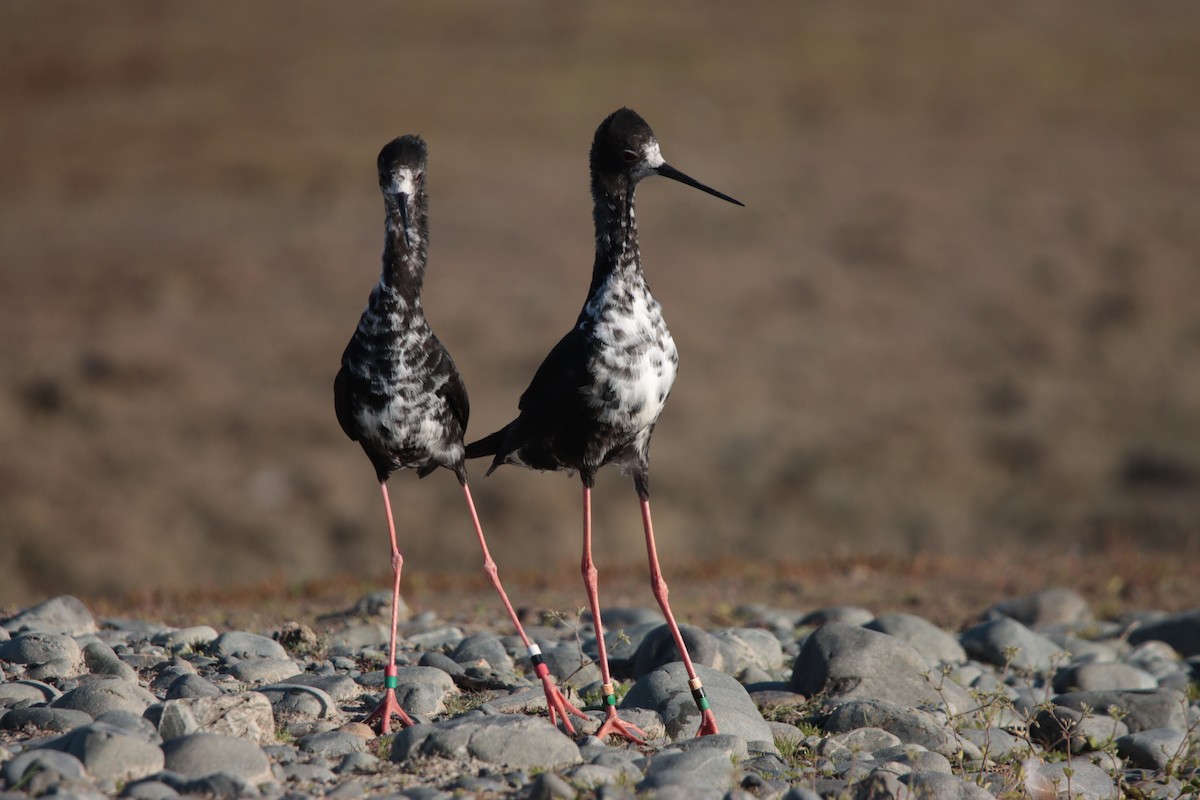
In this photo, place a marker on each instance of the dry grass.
(962, 306)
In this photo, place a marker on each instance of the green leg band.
(391, 682)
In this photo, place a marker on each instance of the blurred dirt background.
(959, 316)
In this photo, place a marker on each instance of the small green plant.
(463, 702)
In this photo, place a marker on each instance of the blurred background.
(959, 313)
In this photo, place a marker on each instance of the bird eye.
(629, 156)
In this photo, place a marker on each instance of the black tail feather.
(487, 446)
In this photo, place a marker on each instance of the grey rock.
(570, 666)
(149, 789)
(54, 669)
(441, 637)
(734, 747)
(549, 786)
(846, 615)
(355, 638)
(195, 637)
(1181, 631)
(255, 671)
(903, 759)
(591, 776)
(423, 690)
(358, 762)
(191, 685)
(944, 787)
(747, 648)
(483, 646)
(658, 649)
(665, 690)
(100, 659)
(443, 662)
(623, 641)
(1047, 608)
(1087, 781)
(857, 743)
(908, 724)
(40, 647)
(698, 769)
(107, 751)
(341, 688)
(995, 744)
(848, 662)
(1066, 729)
(62, 614)
(516, 741)
(935, 645)
(1102, 676)
(1005, 641)
(200, 754)
(241, 644)
(131, 723)
(1160, 708)
(64, 765)
(43, 718)
(299, 700)
(13, 692)
(245, 716)
(106, 694)
(1153, 748)
(379, 604)
(332, 744)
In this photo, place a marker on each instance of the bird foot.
(559, 706)
(615, 726)
(708, 723)
(388, 707)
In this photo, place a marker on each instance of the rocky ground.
(1038, 699)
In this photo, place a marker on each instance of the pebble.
(1004, 642)
(199, 754)
(833, 702)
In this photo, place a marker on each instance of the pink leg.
(612, 723)
(708, 720)
(555, 702)
(389, 706)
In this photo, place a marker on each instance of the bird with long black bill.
(399, 395)
(596, 398)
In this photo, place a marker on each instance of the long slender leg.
(708, 720)
(612, 723)
(555, 702)
(389, 705)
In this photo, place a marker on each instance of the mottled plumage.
(597, 396)
(399, 395)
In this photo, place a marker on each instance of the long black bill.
(404, 216)
(667, 171)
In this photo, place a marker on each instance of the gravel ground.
(1038, 698)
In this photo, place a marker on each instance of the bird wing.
(555, 393)
(342, 405)
(454, 390)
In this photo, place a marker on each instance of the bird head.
(402, 175)
(625, 148)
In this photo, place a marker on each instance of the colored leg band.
(610, 700)
(539, 663)
(700, 698)
(391, 682)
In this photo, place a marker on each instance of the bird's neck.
(617, 254)
(404, 261)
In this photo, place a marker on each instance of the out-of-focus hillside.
(961, 308)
